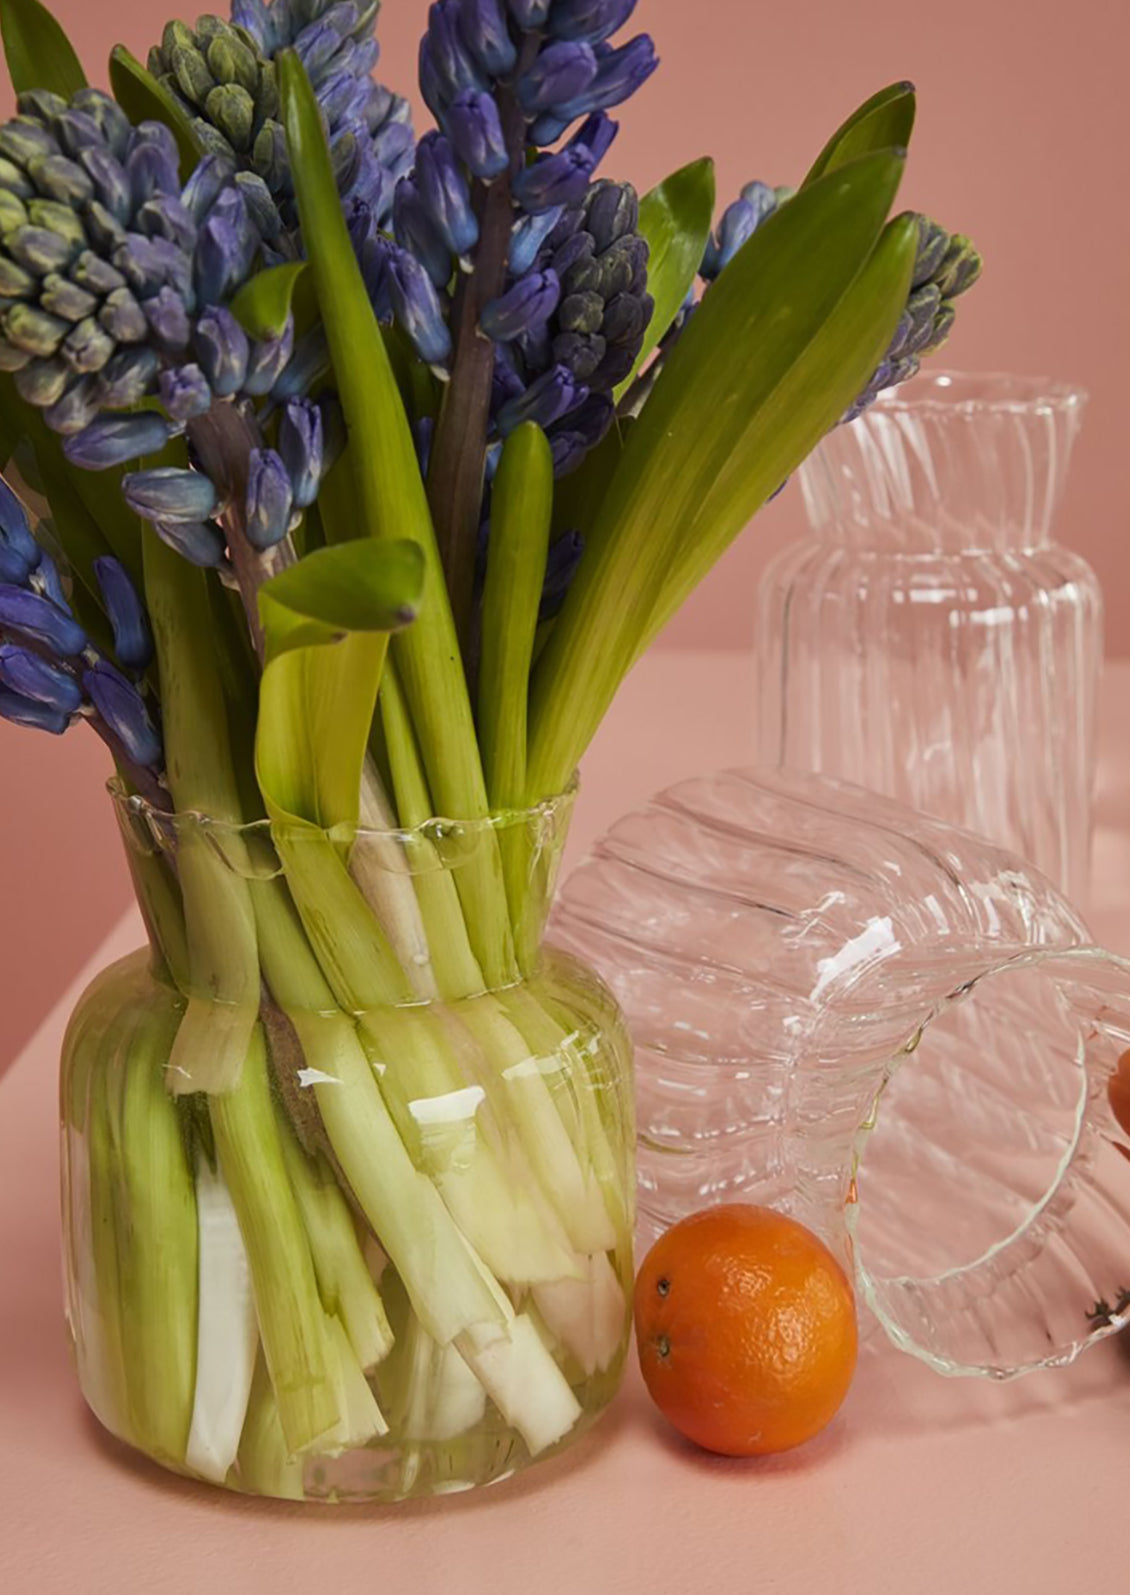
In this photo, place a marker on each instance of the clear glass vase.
(930, 639)
(392, 1256)
(891, 1029)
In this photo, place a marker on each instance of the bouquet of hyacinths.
(350, 474)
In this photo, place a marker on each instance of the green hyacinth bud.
(34, 330)
(231, 108)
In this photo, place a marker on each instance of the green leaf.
(326, 624)
(521, 509)
(263, 303)
(723, 386)
(884, 122)
(38, 52)
(390, 502)
(142, 98)
(352, 587)
(675, 219)
(812, 399)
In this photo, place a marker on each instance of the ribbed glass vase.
(931, 640)
(887, 1027)
(391, 1254)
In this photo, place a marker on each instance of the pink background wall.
(1021, 142)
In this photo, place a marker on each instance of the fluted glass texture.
(394, 1257)
(930, 639)
(888, 1027)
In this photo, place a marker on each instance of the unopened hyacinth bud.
(168, 493)
(621, 70)
(39, 620)
(417, 232)
(739, 223)
(22, 711)
(199, 542)
(267, 361)
(37, 678)
(122, 708)
(562, 71)
(530, 14)
(527, 236)
(116, 439)
(560, 568)
(225, 248)
(529, 303)
(553, 180)
(592, 20)
(302, 449)
(475, 129)
(485, 33)
(185, 392)
(447, 66)
(269, 499)
(416, 306)
(545, 401)
(443, 190)
(133, 641)
(222, 351)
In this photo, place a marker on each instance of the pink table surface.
(922, 1485)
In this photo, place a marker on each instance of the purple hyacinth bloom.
(133, 641)
(38, 679)
(562, 71)
(13, 570)
(302, 449)
(222, 350)
(168, 493)
(529, 303)
(15, 530)
(475, 129)
(199, 542)
(527, 236)
(560, 567)
(416, 306)
(593, 20)
(553, 395)
(167, 320)
(111, 184)
(446, 65)
(620, 72)
(530, 14)
(117, 701)
(443, 190)
(258, 20)
(558, 179)
(115, 439)
(208, 180)
(23, 711)
(126, 377)
(185, 392)
(35, 617)
(416, 231)
(225, 249)
(152, 170)
(739, 223)
(45, 580)
(484, 30)
(269, 499)
(268, 360)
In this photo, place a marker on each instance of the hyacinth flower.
(348, 1181)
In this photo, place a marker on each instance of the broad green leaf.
(809, 403)
(263, 303)
(38, 52)
(719, 388)
(142, 98)
(884, 122)
(675, 219)
(521, 509)
(391, 502)
(326, 624)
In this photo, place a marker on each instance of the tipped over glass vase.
(931, 639)
(887, 1027)
(392, 1255)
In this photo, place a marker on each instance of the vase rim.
(982, 392)
(444, 835)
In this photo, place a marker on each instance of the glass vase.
(930, 639)
(392, 1255)
(889, 1028)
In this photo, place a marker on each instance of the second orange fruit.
(746, 1330)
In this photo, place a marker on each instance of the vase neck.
(955, 464)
